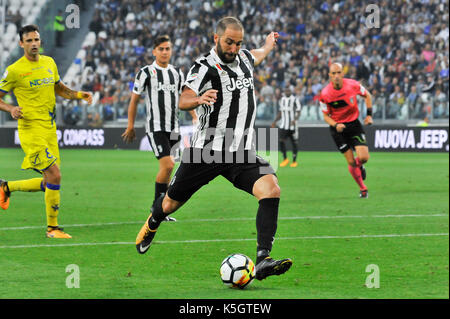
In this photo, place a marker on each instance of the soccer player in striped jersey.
(160, 83)
(220, 88)
(340, 111)
(34, 79)
(288, 114)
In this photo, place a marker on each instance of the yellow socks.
(26, 185)
(52, 195)
(52, 200)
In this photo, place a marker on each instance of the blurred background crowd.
(403, 61)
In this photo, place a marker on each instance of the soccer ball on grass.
(237, 271)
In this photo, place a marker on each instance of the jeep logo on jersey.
(166, 87)
(240, 84)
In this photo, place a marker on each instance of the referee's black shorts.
(164, 143)
(196, 170)
(353, 135)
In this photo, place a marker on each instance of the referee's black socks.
(266, 226)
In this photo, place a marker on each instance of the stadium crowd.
(403, 61)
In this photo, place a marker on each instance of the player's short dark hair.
(226, 22)
(161, 39)
(26, 29)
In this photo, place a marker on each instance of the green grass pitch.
(330, 233)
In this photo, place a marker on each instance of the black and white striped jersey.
(162, 88)
(228, 125)
(288, 107)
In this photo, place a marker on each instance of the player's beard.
(225, 56)
(337, 84)
(32, 53)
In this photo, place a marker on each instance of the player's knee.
(166, 170)
(351, 162)
(276, 191)
(170, 166)
(364, 159)
(272, 191)
(53, 176)
(57, 177)
(169, 206)
(167, 166)
(267, 187)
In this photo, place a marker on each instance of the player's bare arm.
(130, 133)
(274, 123)
(189, 99)
(261, 53)
(15, 111)
(368, 99)
(67, 93)
(194, 116)
(338, 126)
(296, 117)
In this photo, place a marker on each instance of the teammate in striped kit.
(288, 114)
(340, 111)
(220, 87)
(161, 83)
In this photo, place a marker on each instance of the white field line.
(233, 219)
(229, 240)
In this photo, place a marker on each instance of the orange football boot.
(57, 232)
(4, 195)
(284, 163)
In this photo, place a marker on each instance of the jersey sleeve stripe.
(249, 56)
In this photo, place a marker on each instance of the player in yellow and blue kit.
(34, 79)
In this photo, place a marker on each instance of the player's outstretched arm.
(65, 92)
(189, 99)
(130, 133)
(261, 53)
(15, 111)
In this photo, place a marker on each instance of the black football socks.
(157, 213)
(283, 148)
(160, 189)
(294, 150)
(266, 226)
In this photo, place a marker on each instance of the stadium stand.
(404, 62)
(18, 13)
